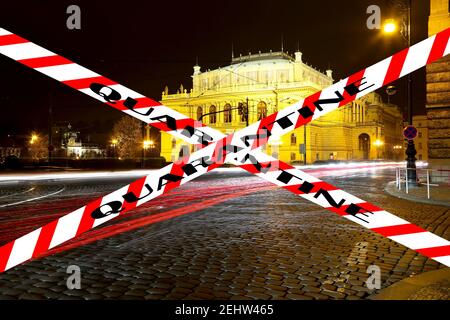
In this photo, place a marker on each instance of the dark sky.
(148, 44)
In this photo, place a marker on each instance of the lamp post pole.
(410, 150)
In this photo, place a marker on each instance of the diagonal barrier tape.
(285, 174)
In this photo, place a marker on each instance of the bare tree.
(127, 132)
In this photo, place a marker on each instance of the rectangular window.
(292, 156)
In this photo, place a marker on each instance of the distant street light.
(34, 138)
(389, 26)
(114, 143)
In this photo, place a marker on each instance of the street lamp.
(148, 144)
(389, 26)
(34, 138)
(378, 143)
(405, 31)
(114, 142)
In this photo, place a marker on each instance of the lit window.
(212, 115)
(293, 139)
(262, 110)
(227, 113)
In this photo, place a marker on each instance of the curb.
(406, 288)
(390, 189)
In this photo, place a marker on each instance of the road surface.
(226, 235)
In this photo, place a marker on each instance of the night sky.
(146, 45)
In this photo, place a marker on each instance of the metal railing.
(423, 178)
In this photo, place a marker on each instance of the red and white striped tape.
(383, 219)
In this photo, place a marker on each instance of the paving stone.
(112, 294)
(257, 295)
(310, 289)
(238, 297)
(329, 287)
(275, 294)
(298, 297)
(136, 292)
(317, 296)
(31, 296)
(334, 294)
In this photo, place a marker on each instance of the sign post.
(410, 133)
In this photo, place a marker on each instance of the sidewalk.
(432, 285)
(439, 195)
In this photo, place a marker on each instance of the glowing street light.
(389, 26)
(148, 144)
(114, 142)
(34, 138)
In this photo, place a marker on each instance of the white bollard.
(406, 179)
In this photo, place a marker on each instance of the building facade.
(367, 128)
(421, 141)
(438, 91)
(67, 143)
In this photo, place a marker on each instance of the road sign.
(410, 132)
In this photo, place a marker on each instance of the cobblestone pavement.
(265, 244)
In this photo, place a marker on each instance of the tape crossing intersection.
(241, 148)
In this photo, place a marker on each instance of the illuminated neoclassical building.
(363, 129)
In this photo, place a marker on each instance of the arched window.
(293, 139)
(243, 111)
(213, 115)
(262, 110)
(199, 113)
(227, 113)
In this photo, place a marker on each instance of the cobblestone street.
(240, 239)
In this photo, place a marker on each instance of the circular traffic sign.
(410, 132)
